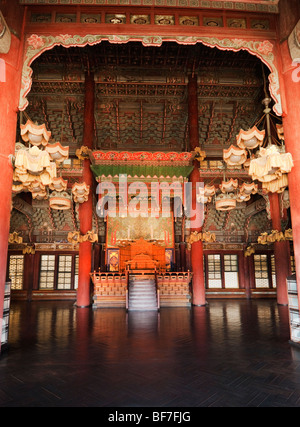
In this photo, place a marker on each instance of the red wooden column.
(291, 126)
(281, 252)
(86, 208)
(197, 247)
(9, 94)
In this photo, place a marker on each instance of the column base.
(82, 306)
(200, 305)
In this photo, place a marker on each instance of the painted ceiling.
(141, 95)
(141, 104)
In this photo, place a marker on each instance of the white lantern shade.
(35, 134)
(251, 138)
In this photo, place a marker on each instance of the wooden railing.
(157, 290)
(112, 288)
(174, 288)
(127, 289)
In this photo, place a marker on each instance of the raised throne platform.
(111, 289)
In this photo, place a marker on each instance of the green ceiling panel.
(142, 170)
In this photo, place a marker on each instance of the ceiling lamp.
(205, 194)
(80, 192)
(57, 152)
(42, 195)
(278, 185)
(36, 187)
(58, 184)
(249, 188)
(251, 138)
(60, 200)
(234, 156)
(38, 190)
(33, 164)
(209, 190)
(270, 165)
(35, 134)
(229, 186)
(242, 197)
(18, 187)
(225, 202)
(246, 190)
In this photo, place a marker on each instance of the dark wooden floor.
(228, 354)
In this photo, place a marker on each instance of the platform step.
(142, 294)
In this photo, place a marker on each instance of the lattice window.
(273, 271)
(47, 272)
(214, 271)
(76, 271)
(261, 271)
(231, 275)
(16, 269)
(64, 279)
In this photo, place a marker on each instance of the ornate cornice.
(270, 6)
(128, 157)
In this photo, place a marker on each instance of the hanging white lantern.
(58, 184)
(229, 186)
(246, 189)
(80, 192)
(270, 164)
(250, 139)
(243, 197)
(234, 156)
(225, 202)
(35, 134)
(38, 190)
(205, 194)
(60, 200)
(249, 188)
(57, 152)
(33, 164)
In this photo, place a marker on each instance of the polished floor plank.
(231, 353)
